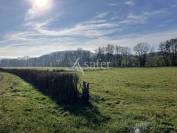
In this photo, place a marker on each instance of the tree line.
(142, 55)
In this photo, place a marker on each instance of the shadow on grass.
(89, 112)
(79, 108)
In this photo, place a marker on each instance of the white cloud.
(142, 17)
(102, 15)
(82, 30)
(47, 46)
(18, 36)
(134, 19)
(130, 3)
(93, 28)
(151, 38)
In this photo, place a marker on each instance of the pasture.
(122, 100)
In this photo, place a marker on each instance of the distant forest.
(143, 55)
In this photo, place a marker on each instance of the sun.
(41, 4)
(39, 8)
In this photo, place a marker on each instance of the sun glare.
(41, 4)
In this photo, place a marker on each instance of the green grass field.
(122, 99)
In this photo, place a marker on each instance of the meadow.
(122, 100)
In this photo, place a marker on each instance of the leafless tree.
(168, 50)
(142, 49)
(165, 50)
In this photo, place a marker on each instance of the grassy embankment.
(121, 99)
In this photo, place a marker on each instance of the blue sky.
(36, 27)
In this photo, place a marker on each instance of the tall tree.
(173, 52)
(165, 52)
(142, 49)
(125, 54)
(110, 52)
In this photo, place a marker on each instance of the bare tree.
(100, 53)
(125, 54)
(141, 50)
(122, 54)
(110, 49)
(109, 52)
(118, 55)
(165, 50)
(173, 52)
(168, 50)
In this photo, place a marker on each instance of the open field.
(122, 99)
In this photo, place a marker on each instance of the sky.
(37, 27)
